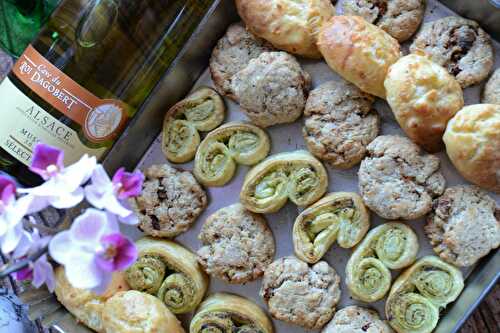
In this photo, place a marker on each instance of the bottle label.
(24, 123)
(101, 119)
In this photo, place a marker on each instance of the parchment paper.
(289, 138)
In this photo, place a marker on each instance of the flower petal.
(24, 245)
(68, 200)
(60, 248)
(131, 183)
(90, 226)
(43, 272)
(103, 286)
(7, 189)
(131, 219)
(11, 238)
(79, 173)
(23, 274)
(100, 177)
(45, 156)
(83, 273)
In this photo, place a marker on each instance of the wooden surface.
(486, 319)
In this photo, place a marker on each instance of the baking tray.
(140, 146)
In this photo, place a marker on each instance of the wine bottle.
(88, 72)
(20, 21)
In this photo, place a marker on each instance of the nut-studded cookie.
(464, 225)
(458, 44)
(301, 294)
(232, 53)
(399, 18)
(272, 89)
(170, 202)
(356, 319)
(237, 245)
(339, 123)
(491, 92)
(398, 180)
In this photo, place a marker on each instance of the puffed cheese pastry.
(290, 25)
(358, 51)
(472, 141)
(136, 312)
(423, 96)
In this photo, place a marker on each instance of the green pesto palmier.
(228, 313)
(169, 271)
(388, 246)
(203, 110)
(420, 293)
(297, 176)
(225, 147)
(339, 216)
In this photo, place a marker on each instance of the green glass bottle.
(20, 21)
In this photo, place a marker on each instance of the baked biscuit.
(301, 294)
(356, 319)
(339, 123)
(459, 45)
(359, 51)
(136, 312)
(233, 53)
(491, 92)
(290, 25)
(423, 97)
(237, 245)
(170, 202)
(464, 225)
(399, 18)
(472, 141)
(86, 306)
(397, 180)
(272, 89)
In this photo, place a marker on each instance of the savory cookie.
(301, 294)
(356, 319)
(399, 18)
(170, 202)
(237, 245)
(397, 180)
(423, 96)
(272, 89)
(233, 53)
(340, 123)
(290, 25)
(359, 51)
(464, 225)
(86, 306)
(491, 92)
(472, 141)
(136, 312)
(459, 45)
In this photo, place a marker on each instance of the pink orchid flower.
(91, 249)
(63, 186)
(12, 211)
(112, 194)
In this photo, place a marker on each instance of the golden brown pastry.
(423, 96)
(203, 110)
(297, 176)
(359, 51)
(472, 141)
(86, 306)
(290, 25)
(339, 216)
(420, 293)
(230, 313)
(169, 271)
(136, 312)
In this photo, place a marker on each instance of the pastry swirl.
(420, 292)
(169, 271)
(340, 217)
(236, 142)
(297, 176)
(388, 246)
(203, 110)
(227, 313)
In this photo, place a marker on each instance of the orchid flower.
(12, 211)
(39, 272)
(111, 194)
(92, 249)
(63, 186)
